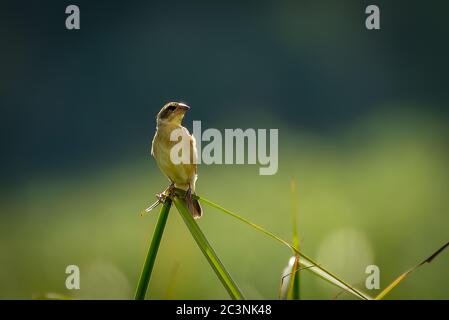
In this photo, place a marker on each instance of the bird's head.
(172, 113)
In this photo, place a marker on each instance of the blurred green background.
(362, 118)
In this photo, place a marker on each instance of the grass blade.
(294, 213)
(287, 285)
(208, 251)
(403, 276)
(152, 252)
(305, 261)
(294, 291)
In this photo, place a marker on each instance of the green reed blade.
(208, 251)
(152, 252)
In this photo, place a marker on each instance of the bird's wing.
(193, 152)
(152, 144)
(193, 161)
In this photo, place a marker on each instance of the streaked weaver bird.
(183, 175)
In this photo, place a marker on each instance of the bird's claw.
(167, 193)
(161, 198)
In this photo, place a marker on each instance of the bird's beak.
(183, 107)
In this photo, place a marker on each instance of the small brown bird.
(184, 174)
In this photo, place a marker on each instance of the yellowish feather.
(183, 175)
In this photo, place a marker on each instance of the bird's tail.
(194, 207)
(192, 204)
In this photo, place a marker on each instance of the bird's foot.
(161, 198)
(170, 190)
(167, 193)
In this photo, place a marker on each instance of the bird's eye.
(171, 108)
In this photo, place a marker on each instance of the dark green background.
(362, 118)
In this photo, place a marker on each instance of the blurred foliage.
(374, 193)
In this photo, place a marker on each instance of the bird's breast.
(182, 173)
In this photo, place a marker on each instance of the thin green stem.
(152, 252)
(309, 263)
(294, 214)
(296, 281)
(296, 275)
(208, 251)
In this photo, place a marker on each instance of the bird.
(182, 175)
